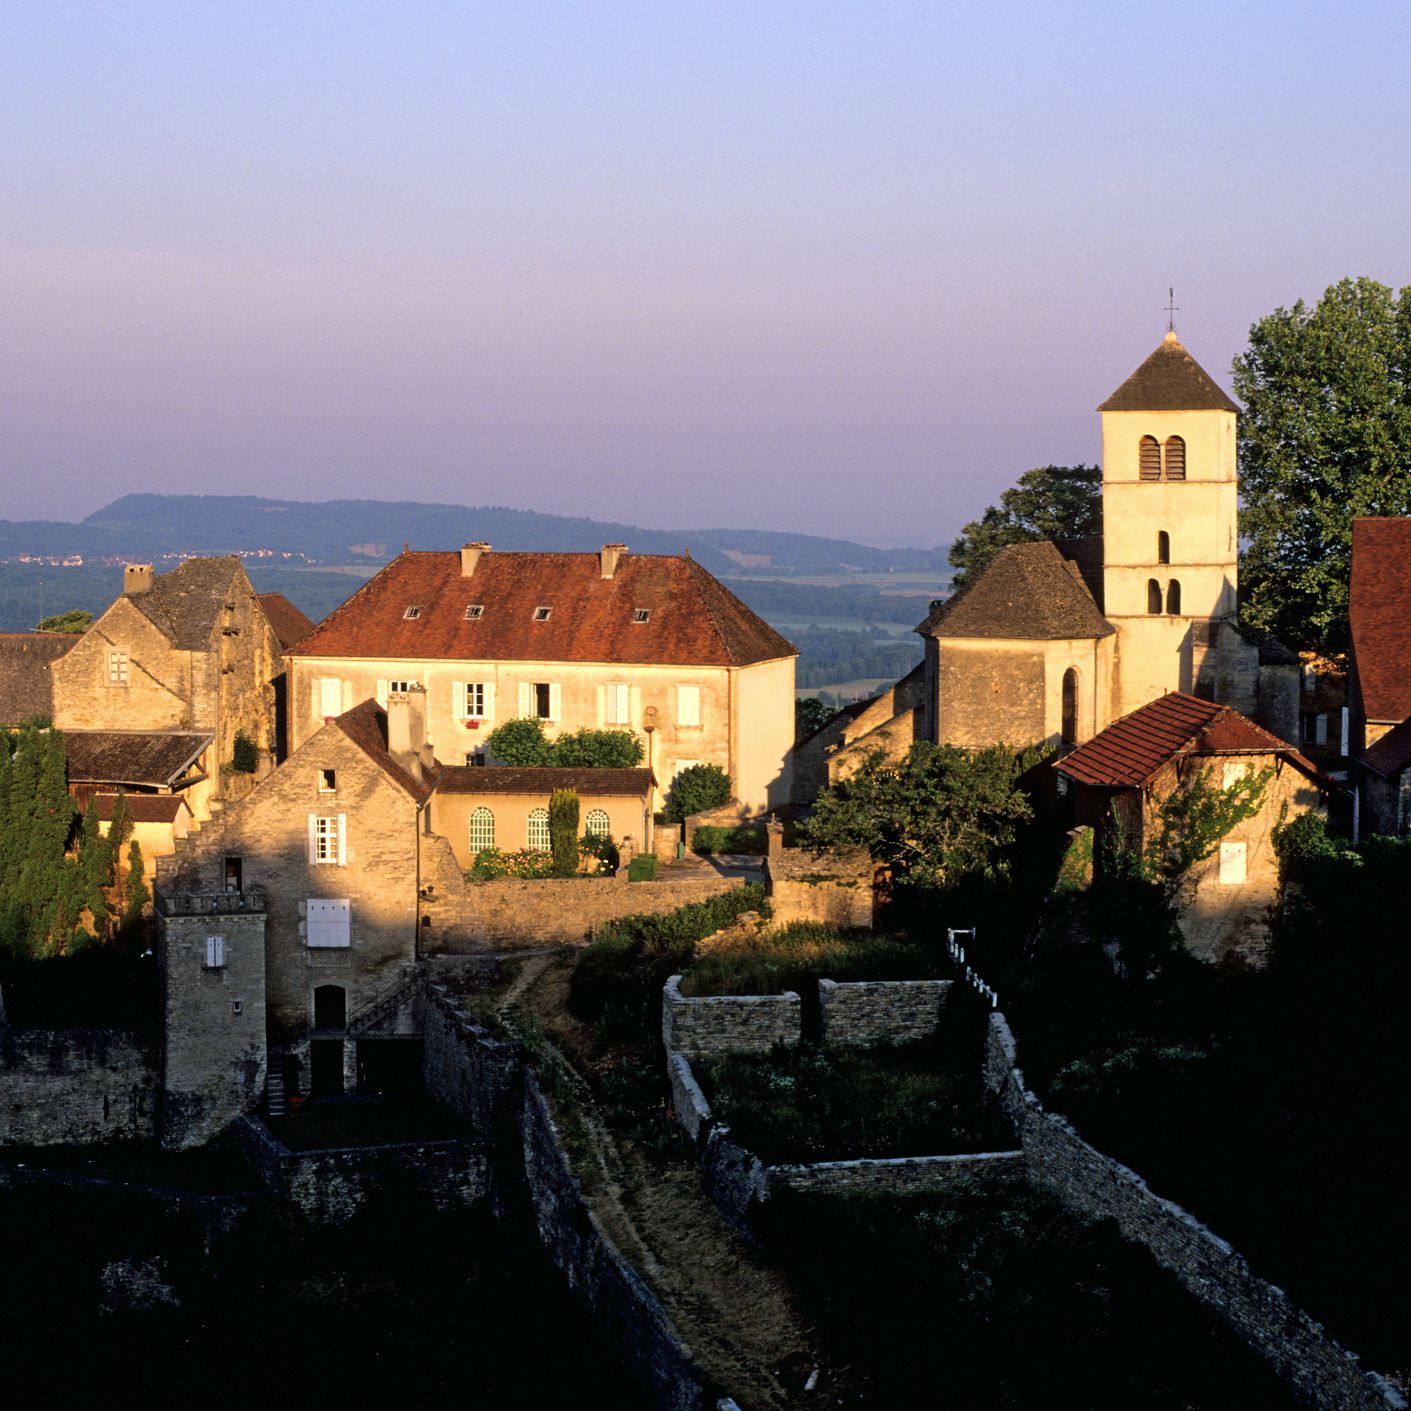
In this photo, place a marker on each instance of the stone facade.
(719, 1024)
(833, 887)
(866, 1013)
(73, 1087)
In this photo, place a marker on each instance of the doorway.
(330, 1007)
(326, 1068)
(234, 874)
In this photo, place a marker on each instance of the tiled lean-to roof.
(1027, 591)
(1379, 615)
(153, 759)
(690, 619)
(1131, 750)
(1392, 753)
(1170, 380)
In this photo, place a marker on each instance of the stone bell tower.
(1170, 541)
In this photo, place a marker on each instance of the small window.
(1153, 596)
(403, 686)
(1232, 864)
(1163, 547)
(474, 700)
(688, 705)
(327, 781)
(543, 700)
(475, 612)
(1150, 458)
(215, 952)
(597, 823)
(541, 614)
(1069, 707)
(538, 831)
(1173, 598)
(412, 614)
(325, 839)
(117, 668)
(482, 830)
(1175, 458)
(641, 614)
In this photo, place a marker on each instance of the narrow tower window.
(1173, 597)
(1163, 547)
(1153, 596)
(1175, 458)
(1070, 707)
(1150, 458)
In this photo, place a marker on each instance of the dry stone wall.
(869, 1012)
(719, 1024)
(899, 1175)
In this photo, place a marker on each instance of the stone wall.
(831, 886)
(736, 1179)
(717, 1024)
(865, 1013)
(465, 1068)
(1059, 1160)
(73, 1087)
(899, 1175)
(688, 1101)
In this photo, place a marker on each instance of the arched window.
(330, 1007)
(482, 830)
(1150, 458)
(1070, 707)
(538, 829)
(1173, 597)
(1175, 458)
(1153, 596)
(597, 823)
(1163, 547)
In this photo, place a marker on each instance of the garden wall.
(1058, 1159)
(74, 1087)
(833, 887)
(899, 1175)
(865, 1013)
(465, 1068)
(718, 1024)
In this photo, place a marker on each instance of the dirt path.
(735, 1312)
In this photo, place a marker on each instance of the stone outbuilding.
(26, 674)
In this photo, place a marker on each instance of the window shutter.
(342, 840)
(489, 700)
(1232, 863)
(313, 837)
(215, 952)
(347, 695)
(1320, 729)
(316, 704)
(382, 694)
(604, 705)
(526, 700)
(458, 700)
(555, 702)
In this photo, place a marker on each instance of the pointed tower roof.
(1170, 380)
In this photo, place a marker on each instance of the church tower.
(1170, 548)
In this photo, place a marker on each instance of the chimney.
(406, 729)
(136, 578)
(608, 556)
(470, 556)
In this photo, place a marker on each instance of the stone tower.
(1170, 547)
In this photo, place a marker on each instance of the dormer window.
(641, 614)
(541, 614)
(475, 612)
(412, 614)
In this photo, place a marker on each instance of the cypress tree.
(135, 893)
(563, 831)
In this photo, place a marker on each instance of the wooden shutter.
(489, 689)
(347, 694)
(458, 704)
(555, 702)
(526, 700)
(215, 952)
(382, 688)
(342, 840)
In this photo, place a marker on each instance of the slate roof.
(512, 779)
(366, 726)
(288, 622)
(26, 686)
(1131, 750)
(154, 759)
(1272, 652)
(1027, 591)
(1379, 614)
(692, 618)
(1392, 753)
(185, 604)
(1170, 380)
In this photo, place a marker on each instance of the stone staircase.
(275, 1103)
(391, 997)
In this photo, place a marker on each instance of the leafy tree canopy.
(1325, 437)
(697, 790)
(1051, 502)
(523, 742)
(809, 713)
(76, 620)
(941, 814)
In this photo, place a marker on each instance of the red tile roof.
(288, 622)
(1131, 750)
(141, 808)
(692, 618)
(366, 726)
(1392, 753)
(1379, 614)
(511, 779)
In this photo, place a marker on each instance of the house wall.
(156, 840)
(763, 733)
(450, 817)
(1386, 803)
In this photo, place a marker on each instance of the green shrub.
(597, 749)
(697, 790)
(244, 755)
(520, 742)
(563, 831)
(711, 838)
(490, 863)
(642, 868)
(602, 847)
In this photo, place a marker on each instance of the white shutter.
(555, 702)
(215, 952)
(458, 706)
(526, 700)
(342, 840)
(604, 705)
(1320, 730)
(489, 700)
(329, 923)
(313, 837)
(1232, 864)
(316, 704)
(347, 694)
(382, 694)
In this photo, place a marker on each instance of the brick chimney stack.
(136, 578)
(470, 556)
(608, 556)
(406, 729)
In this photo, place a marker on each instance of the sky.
(843, 269)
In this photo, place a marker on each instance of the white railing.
(972, 976)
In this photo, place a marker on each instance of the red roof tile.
(288, 622)
(366, 726)
(141, 808)
(1379, 614)
(692, 619)
(511, 779)
(1392, 753)
(1131, 750)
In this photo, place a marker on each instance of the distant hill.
(335, 532)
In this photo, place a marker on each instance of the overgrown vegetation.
(244, 755)
(698, 789)
(75, 621)
(711, 838)
(523, 742)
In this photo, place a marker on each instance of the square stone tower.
(1170, 526)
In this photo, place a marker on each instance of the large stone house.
(190, 651)
(650, 643)
(1123, 776)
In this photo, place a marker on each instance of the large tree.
(1325, 437)
(1050, 502)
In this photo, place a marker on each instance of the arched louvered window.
(1153, 596)
(1070, 707)
(1150, 458)
(538, 836)
(482, 830)
(1173, 597)
(597, 823)
(1175, 458)
(1163, 547)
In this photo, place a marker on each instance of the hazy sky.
(838, 268)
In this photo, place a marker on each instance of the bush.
(698, 789)
(711, 838)
(642, 868)
(244, 755)
(597, 749)
(602, 847)
(491, 863)
(563, 831)
(520, 742)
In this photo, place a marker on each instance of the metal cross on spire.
(1172, 309)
